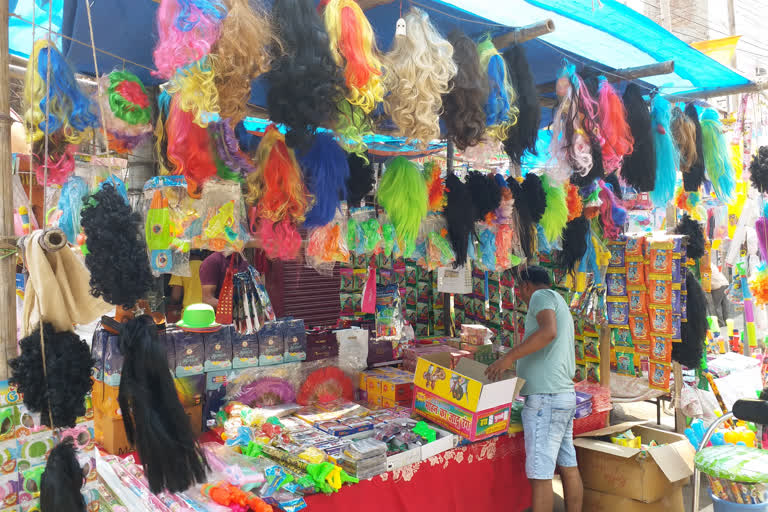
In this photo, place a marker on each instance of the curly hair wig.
(418, 73)
(117, 252)
(58, 390)
(464, 105)
(758, 170)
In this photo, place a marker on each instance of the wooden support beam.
(660, 68)
(370, 4)
(7, 264)
(522, 34)
(719, 91)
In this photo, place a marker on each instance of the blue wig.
(70, 203)
(186, 20)
(497, 106)
(667, 155)
(717, 158)
(326, 170)
(65, 96)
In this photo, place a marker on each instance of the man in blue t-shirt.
(546, 360)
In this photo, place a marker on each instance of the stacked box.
(321, 344)
(271, 344)
(218, 350)
(295, 338)
(387, 387)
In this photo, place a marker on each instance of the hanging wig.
(694, 331)
(60, 161)
(228, 149)
(556, 214)
(189, 147)
(694, 233)
(464, 106)
(361, 179)
(418, 72)
(128, 99)
(194, 89)
(62, 480)
(570, 149)
(613, 127)
(353, 47)
(684, 134)
(460, 225)
(69, 110)
(241, 54)
(352, 126)
(117, 253)
(326, 172)
(613, 216)
(613, 181)
(597, 172)
(305, 84)
(693, 179)
(500, 110)
(403, 195)
(277, 188)
(486, 195)
(522, 136)
(574, 244)
(639, 166)
(525, 207)
(574, 202)
(59, 389)
(435, 186)
(186, 30)
(155, 421)
(535, 196)
(717, 156)
(758, 170)
(667, 155)
(280, 240)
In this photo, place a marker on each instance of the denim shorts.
(548, 428)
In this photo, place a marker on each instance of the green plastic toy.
(423, 430)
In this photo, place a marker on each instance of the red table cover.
(486, 476)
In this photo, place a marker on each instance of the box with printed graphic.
(463, 400)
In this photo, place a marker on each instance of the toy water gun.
(423, 430)
(749, 311)
(228, 495)
(222, 223)
(157, 232)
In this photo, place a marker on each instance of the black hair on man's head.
(535, 275)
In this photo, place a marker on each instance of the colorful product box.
(190, 353)
(245, 350)
(218, 350)
(271, 344)
(295, 337)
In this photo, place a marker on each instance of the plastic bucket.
(729, 506)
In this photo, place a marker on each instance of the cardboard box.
(445, 441)
(463, 400)
(630, 473)
(596, 501)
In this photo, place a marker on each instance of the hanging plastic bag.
(222, 214)
(167, 246)
(328, 245)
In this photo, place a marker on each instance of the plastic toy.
(238, 500)
(423, 430)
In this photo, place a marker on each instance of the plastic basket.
(594, 421)
(729, 506)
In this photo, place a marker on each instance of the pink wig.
(613, 216)
(280, 240)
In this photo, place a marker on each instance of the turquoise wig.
(667, 154)
(717, 158)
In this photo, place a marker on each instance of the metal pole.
(7, 264)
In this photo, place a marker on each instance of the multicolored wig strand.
(500, 109)
(717, 157)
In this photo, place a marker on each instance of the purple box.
(218, 350)
(321, 344)
(379, 351)
(271, 344)
(295, 338)
(245, 350)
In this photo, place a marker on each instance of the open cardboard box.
(462, 399)
(629, 472)
(445, 441)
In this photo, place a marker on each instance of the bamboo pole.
(720, 91)
(523, 34)
(659, 68)
(8, 264)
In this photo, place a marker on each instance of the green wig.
(556, 215)
(128, 98)
(403, 194)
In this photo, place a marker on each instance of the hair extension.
(574, 244)
(305, 84)
(435, 186)
(185, 33)
(693, 179)
(60, 161)
(194, 90)
(361, 179)
(418, 72)
(277, 188)
(117, 252)
(460, 225)
(613, 127)
(403, 195)
(536, 196)
(486, 195)
(500, 110)
(154, 419)
(693, 331)
(667, 155)
(684, 134)
(241, 54)
(189, 146)
(639, 166)
(522, 136)
(612, 215)
(570, 148)
(694, 236)
(62, 480)
(525, 207)
(280, 240)
(717, 157)
(464, 106)
(758, 170)
(556, 214)
(353, 47)
(613, 182)
(228, 149)
(597, 172)
(326, 172)
(68, 364)
(574, 202)
(34, 93)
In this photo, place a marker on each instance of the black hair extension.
(758, 170)
(526, 229)
(361, 179)
(639, 168)
(62, 480)
(694, 236)
(694, 331)
(459, 222)
(613, 180)
(693, 179)
(574, 244)
(522, 136)
(486, 194)
(535, 196)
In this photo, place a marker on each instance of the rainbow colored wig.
(353, 47)
(189, 147)
(717, 157)
(186, 29)
(126, 110)
(196, 90)
(500, 109)
(667, 155)
(613, 216)
(570, 149)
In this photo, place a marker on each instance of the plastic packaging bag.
(167, 246)
(222, 214)
(328, 245)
